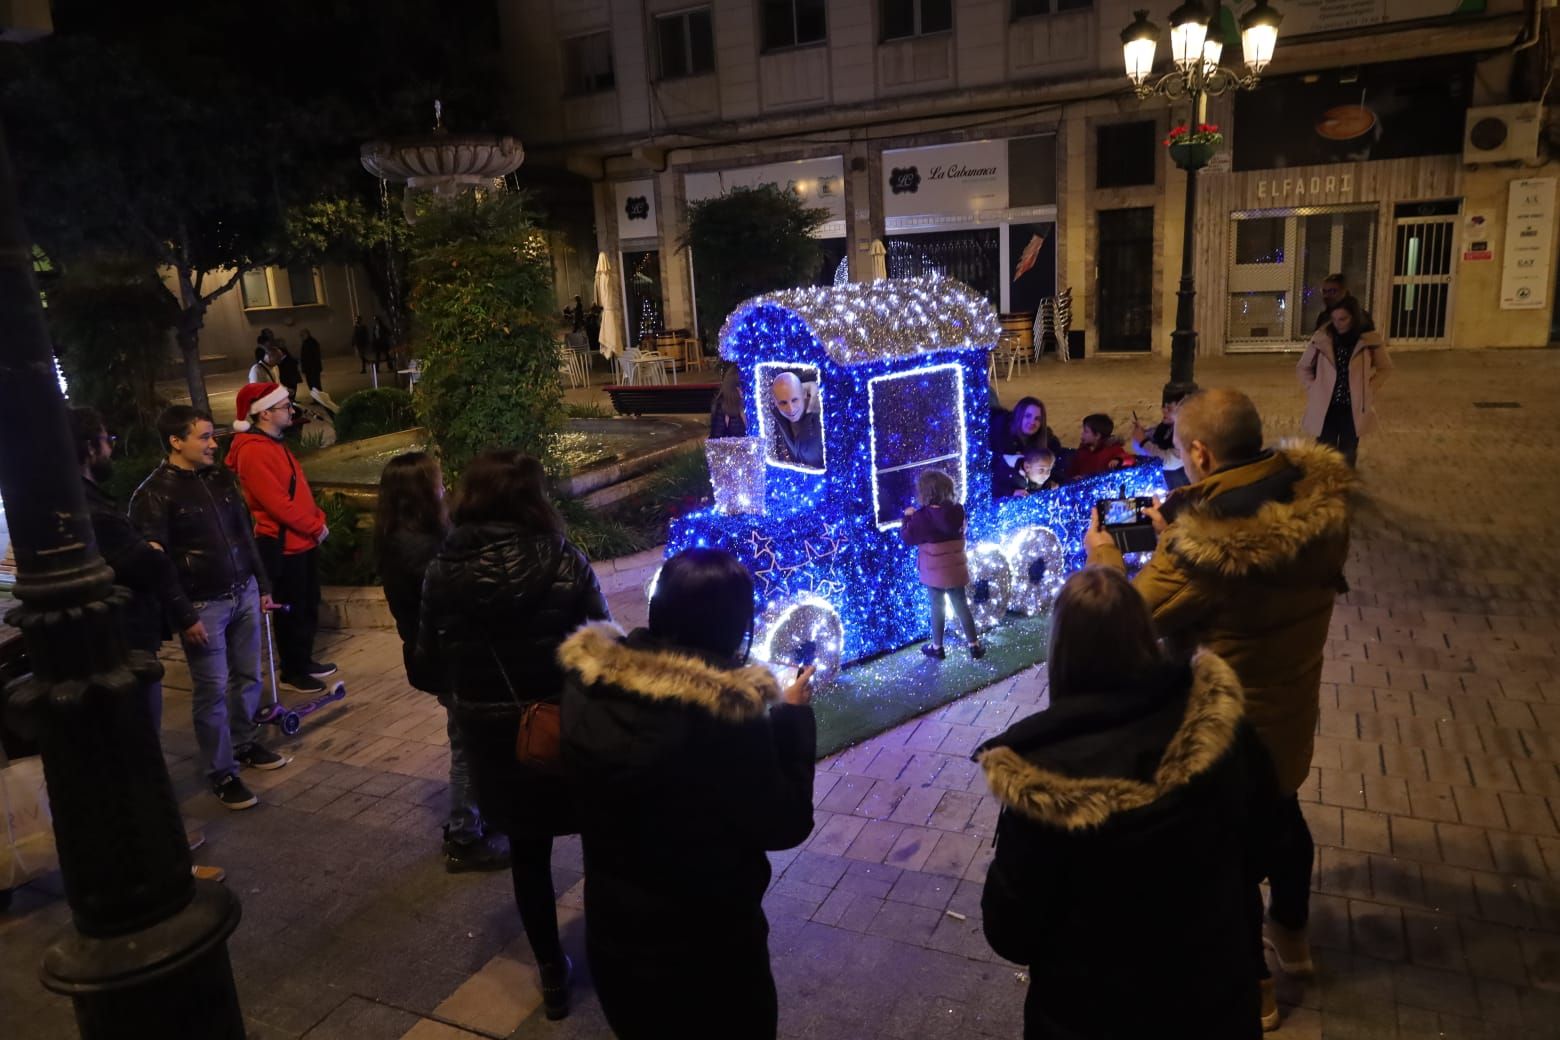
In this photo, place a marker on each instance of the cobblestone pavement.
(1433, 797)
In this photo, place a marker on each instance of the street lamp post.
(1196, 48)
(146, 952)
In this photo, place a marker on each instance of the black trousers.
(295, 583)
(1290, 855)
(312, 377)
(1338, 430)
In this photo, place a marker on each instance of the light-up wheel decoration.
(991, 585)
(1039, 565)
(806, 630)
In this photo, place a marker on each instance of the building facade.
(1000, 142)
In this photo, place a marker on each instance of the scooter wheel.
(291, 723)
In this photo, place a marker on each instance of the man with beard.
(146, 572)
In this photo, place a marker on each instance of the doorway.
(642, 294)
(1277, 265)
(1125, 274)
(1423, 248)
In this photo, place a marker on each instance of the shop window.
(256, 289)
(1260, 241)
(303, 283)
(587, 64)
(905, 18)
(1126, 153)
(904, 442)
(974, 257)
(1034, 8)
(642, 294)
(686, 43)
(792, 23)
(1032, 166)
(1259, 315)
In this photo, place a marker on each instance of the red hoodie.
(276, 491)
(1089, 462)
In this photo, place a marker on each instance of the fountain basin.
(599, 453)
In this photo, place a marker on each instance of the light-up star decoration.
(901, 372)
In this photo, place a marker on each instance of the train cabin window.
(917, 423)
(790, 415)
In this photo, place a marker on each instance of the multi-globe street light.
(1196, 47)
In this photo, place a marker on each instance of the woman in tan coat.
(1338, 412)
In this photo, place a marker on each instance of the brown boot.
(1291, 947)
(1269, 1006)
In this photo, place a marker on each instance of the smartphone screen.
(1119, 511)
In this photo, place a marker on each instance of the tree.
(750, 241)
(110, 320)
(191, 135)
(482, 305)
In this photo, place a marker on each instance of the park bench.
(674, 399)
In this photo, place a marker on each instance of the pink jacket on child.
(938, 534)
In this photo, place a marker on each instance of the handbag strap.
(553, 576)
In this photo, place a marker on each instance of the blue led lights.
(902, 376)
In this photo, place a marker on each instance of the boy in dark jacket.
(191, 508)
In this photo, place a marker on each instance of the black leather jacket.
(156, 598)
(199, 518)
(496, 603)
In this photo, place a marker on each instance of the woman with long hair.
(501, 595)
(1341, 369)
(688, 763)
(410, 523)
(1130, 812)
(1015, 434)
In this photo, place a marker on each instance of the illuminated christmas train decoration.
(895, 374)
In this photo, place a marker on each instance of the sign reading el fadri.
(1530, 214)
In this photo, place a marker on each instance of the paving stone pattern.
(1433, 798)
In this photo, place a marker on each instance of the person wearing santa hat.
(289, 527)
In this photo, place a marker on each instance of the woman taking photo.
(1015, 434)
(1128, 812)
(499, 598)
(1339, 411)
(687, 764)
(409, 526)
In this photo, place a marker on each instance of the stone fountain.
(441, 163)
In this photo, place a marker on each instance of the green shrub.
(370, 413)
(347, 556)
(590, 410)
(482, 302)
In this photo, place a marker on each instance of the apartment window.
(1125, 153)
(791, 23)
(1031, 8)
(268, 288)
(902, 18)
(587, 64)
(686, 42)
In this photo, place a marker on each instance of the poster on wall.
(964, 179)
(1032, 265)
(1305, 17)
(819, 182)
(636, 217)
(1477, 232)
(1391, 111)
(1530, 216)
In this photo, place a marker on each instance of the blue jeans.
(225, 676)
(465, 823)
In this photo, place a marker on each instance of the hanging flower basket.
(1191, 147)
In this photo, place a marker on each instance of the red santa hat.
(257, 397)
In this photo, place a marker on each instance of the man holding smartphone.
(1249, 561)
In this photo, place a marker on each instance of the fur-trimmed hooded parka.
(1128, 848)
(685, 771)
(1249, 568)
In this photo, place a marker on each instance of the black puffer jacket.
(684, 772)
(497, 601)
(403, 564)
(1137, 812)
(199, 518)
(156, 600)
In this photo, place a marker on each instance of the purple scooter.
(290, 719)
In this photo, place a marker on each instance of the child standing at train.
(937, 531)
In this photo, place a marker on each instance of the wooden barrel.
(1021, 326)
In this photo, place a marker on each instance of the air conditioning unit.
(1503, 133)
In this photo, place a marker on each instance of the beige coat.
(1368, 367)
(1249, 569)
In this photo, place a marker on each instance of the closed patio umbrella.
(611, 344)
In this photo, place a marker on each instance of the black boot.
(489, 852)
(555, 988)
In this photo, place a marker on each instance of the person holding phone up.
(687, 764)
